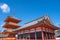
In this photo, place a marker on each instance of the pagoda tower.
(10, 24)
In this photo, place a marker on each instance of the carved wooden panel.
(32, 30)
(43, 28)
(21, 32)
(38, 29)
(47, 30)
(26, 31)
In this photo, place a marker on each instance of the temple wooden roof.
(12, 19)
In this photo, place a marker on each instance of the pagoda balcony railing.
(12, 23)
(3, 35)
(36, 39)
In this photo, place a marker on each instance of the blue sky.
(28, 10)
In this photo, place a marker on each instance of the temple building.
(39, 29)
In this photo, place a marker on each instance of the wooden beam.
(35, 35)
(42, 35)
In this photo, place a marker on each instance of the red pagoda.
(10, 24)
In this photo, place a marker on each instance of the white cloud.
(5, 8)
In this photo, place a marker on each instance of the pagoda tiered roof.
(12, 19)
(11, 22)
(11, 26)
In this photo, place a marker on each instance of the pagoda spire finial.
(13, 14)
(46, 14)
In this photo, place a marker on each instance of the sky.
(28, 10)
